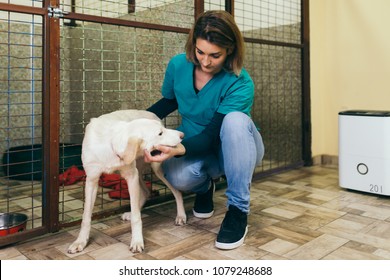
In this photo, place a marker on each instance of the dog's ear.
(131, 150)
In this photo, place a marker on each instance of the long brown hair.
(219, 28)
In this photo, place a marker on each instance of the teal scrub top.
(224, 93)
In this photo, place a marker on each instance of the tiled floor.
(301, 214)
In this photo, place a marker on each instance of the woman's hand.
(165, 153)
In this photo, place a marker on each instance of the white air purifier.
(364, 151)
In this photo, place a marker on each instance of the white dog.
(116, 142)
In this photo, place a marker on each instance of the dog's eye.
(161, 133)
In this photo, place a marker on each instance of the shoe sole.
(230, 246)
(203, 215)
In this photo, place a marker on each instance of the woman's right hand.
(165, 153)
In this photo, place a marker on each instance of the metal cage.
(66, 61)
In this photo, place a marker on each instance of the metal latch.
(56, 12)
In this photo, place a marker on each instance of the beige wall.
(350, 64)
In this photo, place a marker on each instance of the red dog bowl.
(12, 223)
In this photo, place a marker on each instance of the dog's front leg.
(132, 179)
(90, 197)
(181, 217)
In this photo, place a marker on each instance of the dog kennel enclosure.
(66, 61)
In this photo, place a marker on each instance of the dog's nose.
(181, 134)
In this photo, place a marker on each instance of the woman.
(214, 96)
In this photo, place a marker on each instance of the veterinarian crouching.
(214, 95)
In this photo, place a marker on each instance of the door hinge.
(56, 12)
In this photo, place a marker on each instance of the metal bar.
(131, 6)
(272, 43)
(123, 22)
(199, 7)
(229, 6)
(21, 236)
(22, 9)
(306, 112)
(50, 118)
(266, 173)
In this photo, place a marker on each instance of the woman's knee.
(236, 124)
(235, 119)
(184, 178)
(239, 130)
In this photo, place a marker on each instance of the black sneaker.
(233, 229)
(204, 206)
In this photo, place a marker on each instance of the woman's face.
(210, 56)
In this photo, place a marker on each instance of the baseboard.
(326, 160)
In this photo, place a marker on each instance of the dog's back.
(97, 148)
(128, 115)
(106, 122)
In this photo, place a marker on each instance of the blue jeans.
(241, 151)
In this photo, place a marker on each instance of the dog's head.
(144, 134)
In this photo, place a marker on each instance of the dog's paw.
(76, 247)
(126, 216)
(137, 247)
(180, 220)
